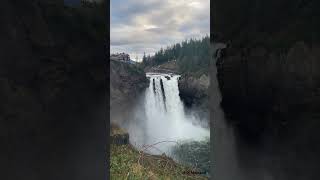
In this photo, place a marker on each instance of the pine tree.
(192, 55)
(144, 58)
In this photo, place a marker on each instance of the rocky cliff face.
(269, 80)
(127, 84)
(193, 91)
(52, 90)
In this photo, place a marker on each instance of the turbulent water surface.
(160, 119)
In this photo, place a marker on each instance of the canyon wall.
(193, 91)
(127, 84)
(269, 81)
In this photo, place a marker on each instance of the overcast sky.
(139, 26)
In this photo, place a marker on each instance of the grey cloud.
(138, 26)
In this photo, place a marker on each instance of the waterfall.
(161, 117)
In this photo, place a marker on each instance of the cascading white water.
(163, 118)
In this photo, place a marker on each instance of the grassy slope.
(125, 164)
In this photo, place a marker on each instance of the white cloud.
(145, 26)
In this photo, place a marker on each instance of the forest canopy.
(192, 55)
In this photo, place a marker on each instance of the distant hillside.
(192, 56)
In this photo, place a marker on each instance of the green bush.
(193, 153)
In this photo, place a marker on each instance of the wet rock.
(163, 93)
(154, 86)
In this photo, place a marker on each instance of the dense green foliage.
(191, 55)
(194, 154)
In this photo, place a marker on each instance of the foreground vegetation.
(194, 153)
(128, 163)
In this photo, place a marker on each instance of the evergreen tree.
(144, 58)
(192, 55)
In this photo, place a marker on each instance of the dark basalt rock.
(193, 90)
(163, 94)
(193, 93)
(154, 86)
